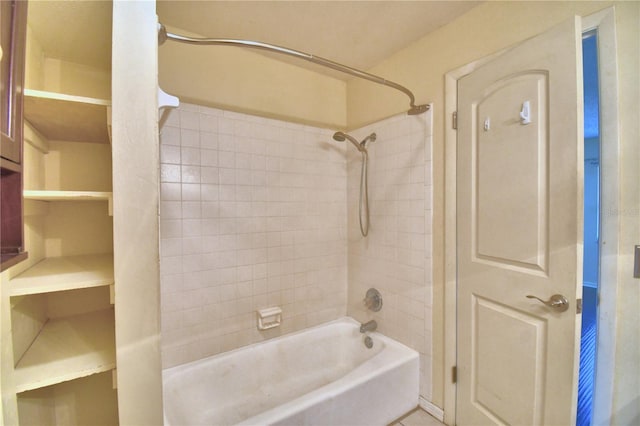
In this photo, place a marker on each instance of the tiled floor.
(418, 418)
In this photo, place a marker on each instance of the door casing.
(604, 23)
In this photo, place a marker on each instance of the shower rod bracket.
(414, 109)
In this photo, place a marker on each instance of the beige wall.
(483, 30)
(486, 29)
(242, 80)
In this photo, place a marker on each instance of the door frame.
(604, 23)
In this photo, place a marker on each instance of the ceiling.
(356, 33)
(359, 34)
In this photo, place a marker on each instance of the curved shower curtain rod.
(414, 109)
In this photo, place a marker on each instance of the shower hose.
(364, 196)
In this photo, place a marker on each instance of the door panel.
(510, 344)
(510, 221)
(519, 224)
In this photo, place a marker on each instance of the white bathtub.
(320, 376)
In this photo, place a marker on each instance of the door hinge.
(578, 306)
(454, 374)
(454, 120)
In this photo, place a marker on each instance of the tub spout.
(368, 326)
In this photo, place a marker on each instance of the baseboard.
(432, 409)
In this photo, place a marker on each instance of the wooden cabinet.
(11, 229)
(13, 26)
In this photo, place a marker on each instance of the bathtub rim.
(347, 320)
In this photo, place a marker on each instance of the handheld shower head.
(364, 192)
(341, 137)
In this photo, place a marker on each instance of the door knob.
(557, 302)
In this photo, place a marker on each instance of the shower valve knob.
(373, 300)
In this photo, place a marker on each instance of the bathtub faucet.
(368, 326)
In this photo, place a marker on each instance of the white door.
(519, 204)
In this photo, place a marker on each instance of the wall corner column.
(135, 205)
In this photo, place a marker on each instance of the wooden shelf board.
(67, 349)
(67, 118)
(64, 273)
(67, 195)
(70, 196)
(42, 94)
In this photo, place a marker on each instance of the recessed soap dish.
(269, 318)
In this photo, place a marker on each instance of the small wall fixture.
(525, 113)
(269, 318)
(166, 102)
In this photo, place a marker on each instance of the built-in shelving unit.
(70, 196)
(57, 330)
(65, 117)
(62, 331)
(62, 314)
(64, 328)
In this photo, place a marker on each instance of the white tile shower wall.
(395, 257)
(253, 214)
